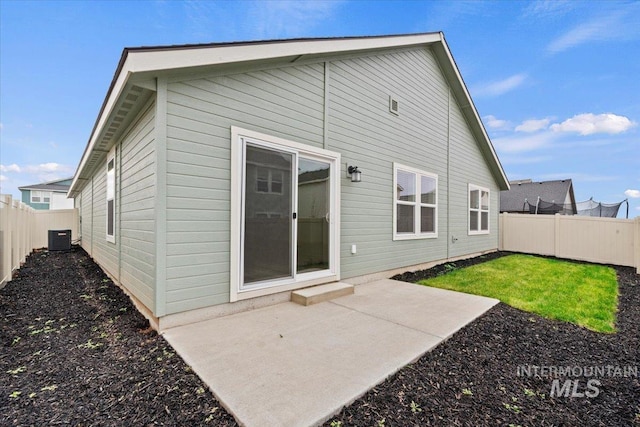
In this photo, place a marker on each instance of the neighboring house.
(48, 195)
(216, 176)
(544, 197)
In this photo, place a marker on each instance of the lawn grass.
(583, 294)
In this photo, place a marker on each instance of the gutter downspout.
(449, 238)
(325, 130)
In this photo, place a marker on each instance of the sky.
(556, 83)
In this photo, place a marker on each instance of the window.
(40, 197)
(478, 210)
(415, 203)
(269, 180)
(111, 193)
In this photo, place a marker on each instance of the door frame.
(239, 136)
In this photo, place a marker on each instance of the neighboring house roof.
(135, 81)
(58, 186)
(523, 191)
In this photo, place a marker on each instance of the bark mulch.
(75, 351)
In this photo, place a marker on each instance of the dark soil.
(75, 351)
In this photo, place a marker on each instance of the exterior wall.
(60, 201)
(131, 259)
(26, 199)
(363, 130)
(135, 183)
(283, 102)
(103, 252)
(85, 205)
(468, 166)
(429, 134)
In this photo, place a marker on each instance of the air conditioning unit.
(59, 240)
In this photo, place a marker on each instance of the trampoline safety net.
(586, 208)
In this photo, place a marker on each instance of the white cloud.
(587, 124)
(11, 168)
(549, 8)
(3, 178)
(47, 168)
(519, 144)
(494, 123)
(501, 87)
(532, 125)
(619, 25)
(632, 193)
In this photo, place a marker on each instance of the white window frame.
(239, 138)
(41, 195)
(473, 187)
(417, 233)
(110, 181)
(270, 181)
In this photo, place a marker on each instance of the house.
(544, 197)
(48, 195)
(216, 177)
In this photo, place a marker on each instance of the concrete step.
(316, 294)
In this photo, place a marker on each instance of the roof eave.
(468, 107)
(162, 59)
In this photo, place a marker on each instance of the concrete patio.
(293, 365)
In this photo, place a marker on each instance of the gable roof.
(514, 200)
(58, 186)
(135, 81)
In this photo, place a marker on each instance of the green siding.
(469, 167)
(131, 259)
(430, 134)
(86, 218)
(26, 198)
(284, 102)
(136, 212)
(368, 135)
(105, 253)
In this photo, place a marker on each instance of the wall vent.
(393, 105)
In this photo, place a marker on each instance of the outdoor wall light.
(356, 175)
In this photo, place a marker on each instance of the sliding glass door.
(287, 217)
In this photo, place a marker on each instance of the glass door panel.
(268, 227)
(314, 215)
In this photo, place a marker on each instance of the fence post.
(556, 236)
(501, 220)
(5, 239)
(636, 243)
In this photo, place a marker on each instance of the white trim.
(41, 194)
(111, 157)
(159, 60)
(167, 59)
(417, 233)
(473, 187)
(239, 139)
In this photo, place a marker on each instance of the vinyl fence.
(601, 240)
(23, 229)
